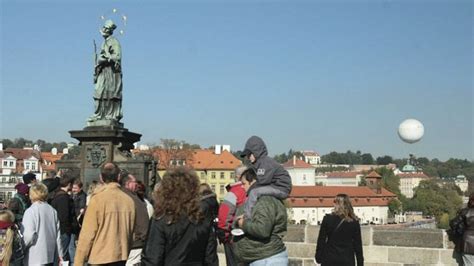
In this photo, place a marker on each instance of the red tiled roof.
(374, 174)
(50, 157)
(343, 174)
(411, 175)
(203, 159)
(332, 191)
(207, 159)
(297, 164)
(22, 154)
(48, 161)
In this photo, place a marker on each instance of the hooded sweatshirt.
(269, 172)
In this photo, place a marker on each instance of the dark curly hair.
(178, 195)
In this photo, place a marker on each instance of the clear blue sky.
(321, 75)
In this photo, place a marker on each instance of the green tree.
(394, 207)
(367, 158)
(384, 160)
(435, 199)
(281, 158)
(389, 180)
(444, 221)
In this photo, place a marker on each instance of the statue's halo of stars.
(118, 18)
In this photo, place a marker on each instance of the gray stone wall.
(382, 246)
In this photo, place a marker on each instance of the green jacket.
(264, 232)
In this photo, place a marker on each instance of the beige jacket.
(107, 230)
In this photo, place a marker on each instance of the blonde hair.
(6, 254)
(343, 208)
(38, 192)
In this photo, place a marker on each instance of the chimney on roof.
(226, 148)
(54, 151)
(217, 149)
(294, 159)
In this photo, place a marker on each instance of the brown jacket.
(107, 230)
(141, 220)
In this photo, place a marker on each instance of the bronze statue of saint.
(108, 79)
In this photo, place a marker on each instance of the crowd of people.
(54, 222)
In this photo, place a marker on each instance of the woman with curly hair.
(179, 233)
(339, 235)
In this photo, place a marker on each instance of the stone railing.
(382, 246)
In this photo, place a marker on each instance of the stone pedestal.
(103, 144)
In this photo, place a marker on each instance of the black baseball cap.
(245, 153)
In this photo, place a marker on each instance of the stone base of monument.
(103, 144)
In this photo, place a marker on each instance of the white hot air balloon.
(411, 130)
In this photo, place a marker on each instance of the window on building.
(11, 163)
(314, 211)
(302, 211)
(5, 163)
(222, 175)
(203, 175)
(232, 175)
(222, 189)
(304, 177)
(33, 166)
(27, 165)
(213, 187)
(213, 175)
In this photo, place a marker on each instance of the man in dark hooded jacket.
(272, 178)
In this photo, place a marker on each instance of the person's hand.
(240, 221)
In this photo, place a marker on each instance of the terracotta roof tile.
(207, 159)
(22, 154)
(202, 159)
(48, 160)
(297, 164)
(411, 175)
(332, 191)
(374, 175)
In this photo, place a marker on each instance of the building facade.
(311, 157)
(409, 181)
(215, 167)
(302, 173)
(308, 205)
(338, 178)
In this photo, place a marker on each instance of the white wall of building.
(8, 165)
(313, 160)
(347, 182)
(315, 215)
(462, 184)
(407, 184)
(302, 176)
(31, 165)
